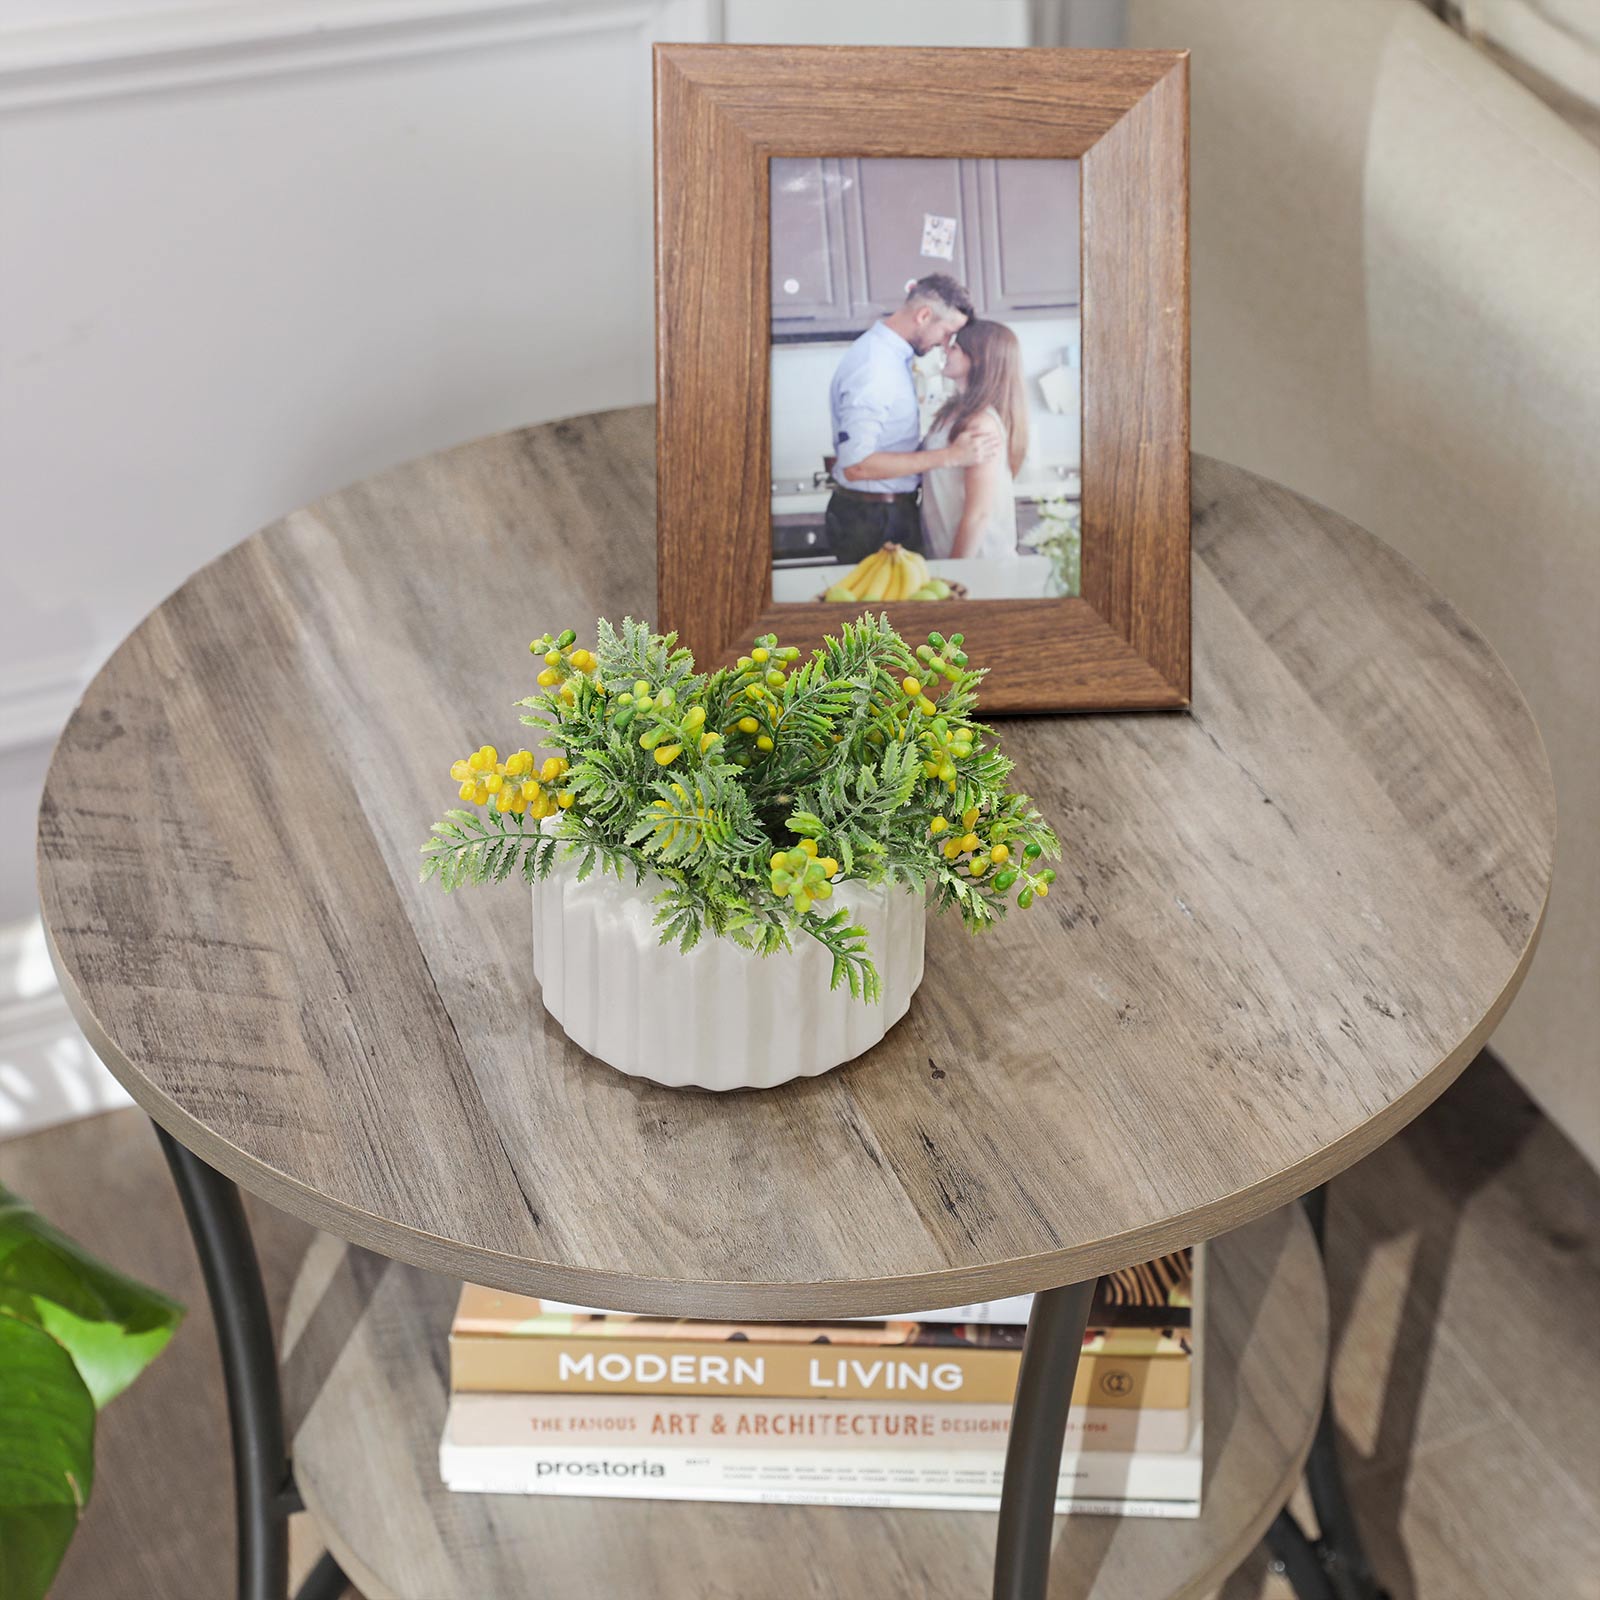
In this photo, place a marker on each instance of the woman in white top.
(971, 511)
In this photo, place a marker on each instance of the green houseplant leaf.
(112, 1326)
(74, 1333)
(46, 1456)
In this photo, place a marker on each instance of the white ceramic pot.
(718, 1017)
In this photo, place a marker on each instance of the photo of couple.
(925, 362)
(949, 493)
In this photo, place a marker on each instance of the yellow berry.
(938, 825)
(952, 849)
(810, 847)
(1000, 853)
(519, 805)
(480, 795)
(969, 841)
(748, 725)
(779, 860)
(531, 790)
(764, 743)
(552, 658)
(467, 790)
(911, 686)
(697, 715)
(829, 865)
(549, 678)
(969, 819)
(494, 783)
(502, 801)
(461, 771)
(666, 754)
(758, 654)
(926, 706)
(978, 867)
(707, 740)
(1041, 889)
(565, 799)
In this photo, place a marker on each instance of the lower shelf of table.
(365, 1388)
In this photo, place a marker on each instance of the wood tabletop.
(1284, 920)
(365, 1391)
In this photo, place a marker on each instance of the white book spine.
(620, 1490)
(675, 1472)
(718, 1423)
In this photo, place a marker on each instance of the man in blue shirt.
(877, 427)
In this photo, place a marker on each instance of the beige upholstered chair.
(1396, 300)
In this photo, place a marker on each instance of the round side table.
(1285, 921)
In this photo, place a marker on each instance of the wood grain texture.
(364, 1344)
(722, 113)
(1464, 1269)
(1284, 922)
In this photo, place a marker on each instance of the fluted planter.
(718, 1016)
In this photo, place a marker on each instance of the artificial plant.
(753, 790)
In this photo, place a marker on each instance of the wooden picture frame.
(721, 113)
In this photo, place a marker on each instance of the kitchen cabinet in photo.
(808, 256)
(848, 235)
(1028, 233)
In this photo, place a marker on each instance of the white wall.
(937, 22)
(250, 251)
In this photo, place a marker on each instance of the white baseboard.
(48, 1073)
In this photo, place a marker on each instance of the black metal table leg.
(325, 1581)
(1038, 1429)
(263, 1482)
(1334, 1565)
(1295, 1556)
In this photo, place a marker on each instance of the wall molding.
(36, 698)
(175, 50)
(48, 1073)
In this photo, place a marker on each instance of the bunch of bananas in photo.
(890, 573)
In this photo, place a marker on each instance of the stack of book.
(912, 1411)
